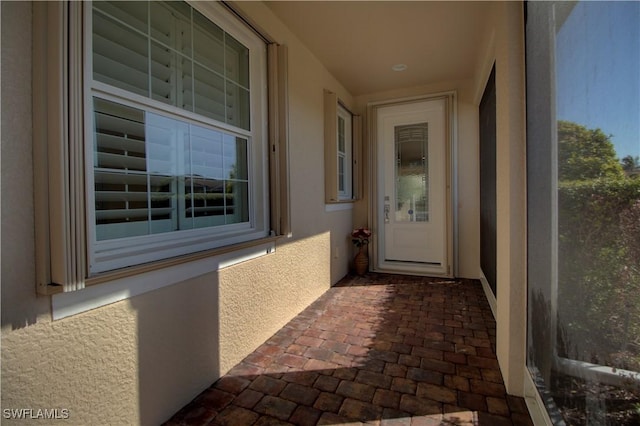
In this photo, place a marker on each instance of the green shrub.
(599, 270)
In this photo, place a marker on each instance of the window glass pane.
(165, 137)
(206, 153)
(121, 205)
(163, 79)
(155, 174)
(218, 163)
(171, 25)
(208, 202)
(344, 153)
(130, 13)
(411, 173)
(208, 43)
(120, 55)
(209, 94)
(236, 175)
(121, 197)
(584, 279)
(341, 174)
(206, 179)
(341, 135)
(171, 80)
(238, 108)
(185, 84)
(237, 202)
(236, 61)
(119, 137)
(235, 158)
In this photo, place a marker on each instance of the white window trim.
(61, 254)
(337, 207)
(124, 252)
(333, 109)
(345, 194)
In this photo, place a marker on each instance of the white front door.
(412, 187)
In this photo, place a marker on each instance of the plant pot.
(361, 261)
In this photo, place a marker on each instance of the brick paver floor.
(379, 349)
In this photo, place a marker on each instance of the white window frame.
(61, 134)
(123, 252)
(336, 156)
(345, 155)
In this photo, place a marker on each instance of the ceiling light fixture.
(399, 67)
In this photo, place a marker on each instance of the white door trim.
(451, 183)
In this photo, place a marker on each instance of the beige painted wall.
(505, 47)
(140, 360)
(511, 196)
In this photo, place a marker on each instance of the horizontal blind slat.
(117, 161)
(131, 213)
(115, 142)
(132, 196)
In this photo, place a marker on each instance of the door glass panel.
(412, 173)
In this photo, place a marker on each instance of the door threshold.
(413, 268)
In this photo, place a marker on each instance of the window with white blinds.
(175, 99)
(155, 174)
(171, 53)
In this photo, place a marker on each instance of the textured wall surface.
(259, 297)
(87, 364)
(511, 196)
(20, 307)
(139, 360)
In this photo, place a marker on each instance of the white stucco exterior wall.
(140, 360)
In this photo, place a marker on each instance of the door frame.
(451, 217)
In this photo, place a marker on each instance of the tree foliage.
(585, 154)
(598, 253)
(631, 166)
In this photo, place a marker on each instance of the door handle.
(387, 208)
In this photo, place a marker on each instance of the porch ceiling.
(359, 41)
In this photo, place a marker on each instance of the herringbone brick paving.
(379, 349)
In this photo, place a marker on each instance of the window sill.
(129, 282)
(339, 205)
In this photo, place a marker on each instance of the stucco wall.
(141, 359)
(511, 196)
(505, 46)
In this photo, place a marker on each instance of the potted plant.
(360, 238)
